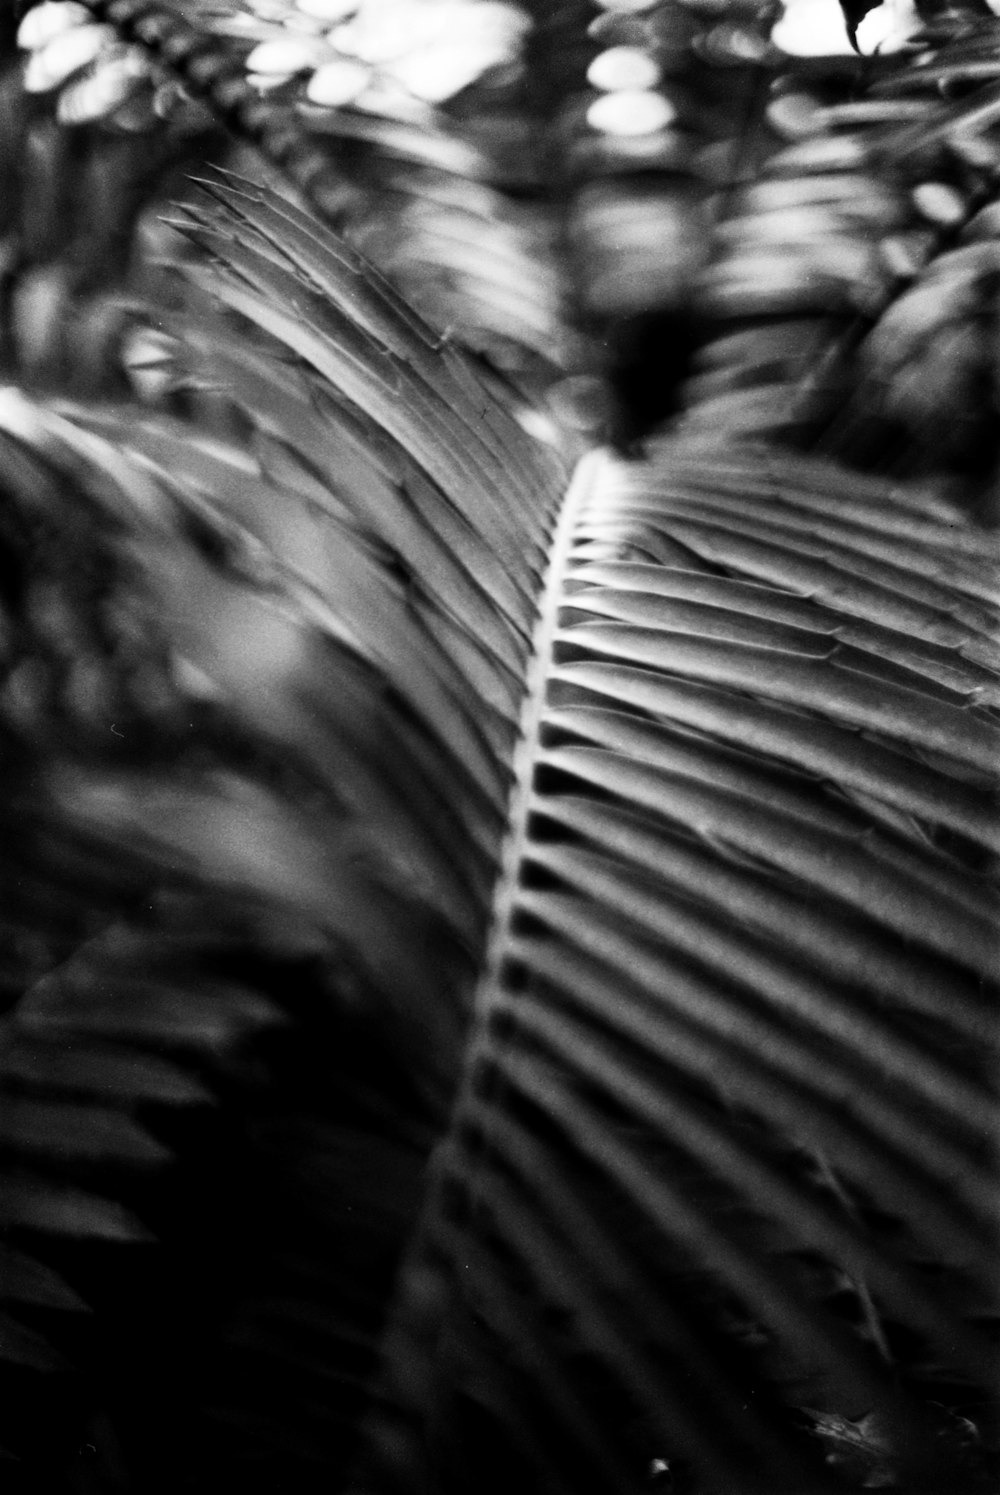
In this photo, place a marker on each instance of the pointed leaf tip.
(854, 13)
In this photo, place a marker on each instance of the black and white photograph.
(499, 744)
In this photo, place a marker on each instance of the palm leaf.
(668, 1037)
(640, 823)
(415, 191)
(240, 830)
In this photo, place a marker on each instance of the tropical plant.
(500, 877)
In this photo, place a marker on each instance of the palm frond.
(541, 922)
(392, 170)
(828, 1100)
(346, 605)
(727, 1100)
